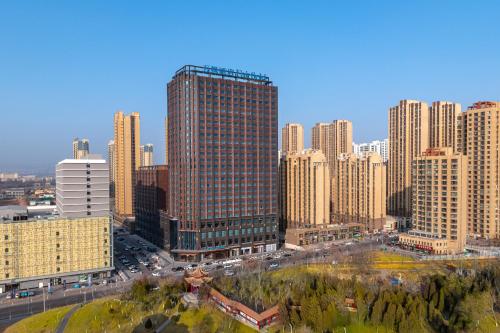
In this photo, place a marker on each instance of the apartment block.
(305, 190)
(146, 153)
(439, 203)
(380, 147)
(480, 140)
(82, 187)
(151, 197)
(444, 120)
(112, 169)
(359, 191)
(222, 144)
(126, 160)
(80, 148)
(292, 138)
(333, 139)
(408, 139)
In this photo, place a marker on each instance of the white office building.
(82, 187)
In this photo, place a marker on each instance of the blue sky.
(66, 67)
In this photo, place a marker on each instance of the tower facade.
(292, 138)
(408, 138)
(223, 139)
(126, 160)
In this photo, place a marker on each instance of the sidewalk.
(64, 321)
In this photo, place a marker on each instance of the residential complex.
(408, 138)
(82, 187)
(292, 138)
(444, 119)
(151, 198)
(222, 144)
(146, 153)
(126, 160)
(80, 148)
(333, 139)
(305, 191)
(480, 138)
(359, 191)
(380, 147)
(439, 202)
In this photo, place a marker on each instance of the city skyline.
(84, 84)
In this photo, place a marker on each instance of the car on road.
(76, 286)
(228, 272)
(228, 266)
(274, 265)
(23, 294)
(269, 258)
(156, 273)
(177, 269)
(287, 255)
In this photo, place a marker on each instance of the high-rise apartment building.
(223, 139)
(80, 148)
(333, 139)
(380, 147)
(292, 138)
(305, 181)
(480, 141)
(443, 121)
(359, 190)
(151, 197)
(439, 202)
(408, 138)
(146, 153)
(82, 187)
(111, 164)
(127, 160)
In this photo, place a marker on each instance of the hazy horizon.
(67, 67)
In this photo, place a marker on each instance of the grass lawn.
(111, 315)
(191, 317)
(40, 323)
(381, 256)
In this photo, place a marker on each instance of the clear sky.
(66, 67)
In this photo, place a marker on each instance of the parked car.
(76, 286)
(156, 273)
(228, 266)
(274, 265)
(228, 272)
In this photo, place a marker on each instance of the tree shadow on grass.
(150, 323)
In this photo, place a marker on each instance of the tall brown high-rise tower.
(127, 160)
(333, 139)
(223, 139)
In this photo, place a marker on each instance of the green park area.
(355, 296)
(41, 323)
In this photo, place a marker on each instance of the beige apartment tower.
(80, 148)
(480, 141)
(146, 153)
(408, 138)
(292, 138)
(126, 160)
(333, 139)
(444, 119)
(439, 202)
(306, 189)
(359, 190)
(112, 169)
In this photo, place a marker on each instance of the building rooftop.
(224, 73)
(91, 158)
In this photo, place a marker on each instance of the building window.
(6, 237)
(88, 213)
(58, 245)
(6, 263)
(58, 257)
(105, 229)
(6, 250)
(57, 233)
(58, 269)
(88, 186)
(6, 275)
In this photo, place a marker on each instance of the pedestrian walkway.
(64, 321)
